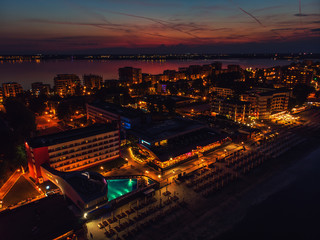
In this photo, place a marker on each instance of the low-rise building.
(75, 149)
(172, 142)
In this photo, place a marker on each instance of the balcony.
(111, 138)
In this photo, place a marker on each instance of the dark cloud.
(147, 3)
(161, 22)
(288, 29)
(108, 26)
(307, 15)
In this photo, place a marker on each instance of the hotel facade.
(73, 150)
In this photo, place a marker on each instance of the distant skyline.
(167, 26)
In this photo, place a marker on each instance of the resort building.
(266, 103)
(72, 150)
(108, 112)
(172, 142)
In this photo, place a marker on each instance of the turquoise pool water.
(119, 187)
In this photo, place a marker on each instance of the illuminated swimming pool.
(119, 187)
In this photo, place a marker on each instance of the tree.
(20, 118)
(170, 105)
(37, 104)
(301, 92)
(64, 111)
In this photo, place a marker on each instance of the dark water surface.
(291, 213)
(27, 72)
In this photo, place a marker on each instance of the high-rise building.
(72, 150)
(130, 75)
(217, 65)
(234, 68)
(296, 75)
(66, 84)
(233, 109)
(1, 96)
(39, 88)
(11, 89)
(266, 103)
(92, 81)
(222, 92)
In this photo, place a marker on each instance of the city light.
(172, 129)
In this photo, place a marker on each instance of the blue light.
(47, 187)
(143, 141)
(126, 125)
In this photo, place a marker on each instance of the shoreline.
(234, 201)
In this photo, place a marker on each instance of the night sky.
(149, 26)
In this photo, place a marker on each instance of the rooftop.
(167, 129)
(119, 110)
(174, 98)
(89, 185)
(186, 143)
(70, 135)
(270, 93)
(234, 101)
(267, 91)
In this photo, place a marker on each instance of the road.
(10, 183)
